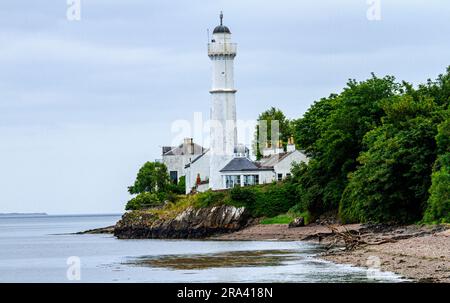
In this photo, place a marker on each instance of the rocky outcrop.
(189, 224)
(102, 230)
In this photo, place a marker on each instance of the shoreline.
(418, 253)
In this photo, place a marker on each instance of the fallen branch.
(352, 240)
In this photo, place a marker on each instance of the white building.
(226, 163)
(177, 157)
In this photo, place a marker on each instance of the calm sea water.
(36, 249)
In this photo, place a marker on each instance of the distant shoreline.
(22, 214)
(29, 215)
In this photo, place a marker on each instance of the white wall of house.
(202, 188)
(177, 163)
(201, 166)
(284, 166)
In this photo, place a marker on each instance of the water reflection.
(224, 259)
(295, 264)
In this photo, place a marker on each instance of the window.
(288, 175)
(251, 180)
(174, 176)
(232, 181)
(280, 177)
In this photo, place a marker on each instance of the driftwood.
(352, 239)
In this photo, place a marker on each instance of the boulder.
(298, 222)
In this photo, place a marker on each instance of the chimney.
(290, 146)
(188, 146)
(268, 150)
(279, 149)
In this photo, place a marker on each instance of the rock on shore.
(189, 224)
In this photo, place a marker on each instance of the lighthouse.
(223, 132)
(225, 164)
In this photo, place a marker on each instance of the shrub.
(180, 187)
(266, 200)
(438, 210)
(143, 200)
(210, 198)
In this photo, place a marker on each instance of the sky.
(84, 103)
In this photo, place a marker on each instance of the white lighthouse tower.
(223, 132)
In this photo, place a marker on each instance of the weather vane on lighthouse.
(221, 18)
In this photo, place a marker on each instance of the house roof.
(273, 160)
(241, 164)
(197, 158)
(181, 150)
(165, 149)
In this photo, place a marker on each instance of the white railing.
(222, 49)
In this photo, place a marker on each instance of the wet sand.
(419, 253)
(423, 259)
(281, 232)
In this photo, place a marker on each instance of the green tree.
(152, 177)
(272, 114)
(391, 184)
(337, 126)
(308, 129)
(438, 89)
(180, 187)
(438, 209)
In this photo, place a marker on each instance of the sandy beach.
(420, 253)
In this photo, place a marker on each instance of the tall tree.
(152, 177)
(438, 209)
(337, 126)
(267, 119)
(391, 184)
(308, 129)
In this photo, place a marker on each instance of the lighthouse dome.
(221, 29)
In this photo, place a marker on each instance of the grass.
(172, 209)
(287, 218)
(280, 219)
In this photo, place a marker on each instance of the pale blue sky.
(84, 104)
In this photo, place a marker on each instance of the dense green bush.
(153, 187)
(143, 200)
(266, 200)
(180, 187)
(331, 132)
(210, 198)
(391, 185)
(438, 210)
(372, 149)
